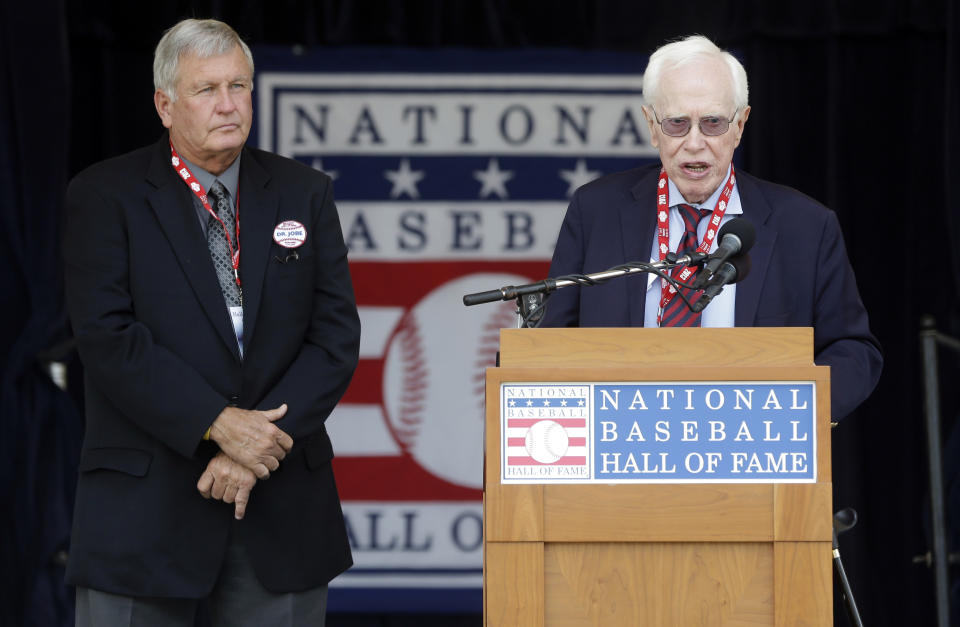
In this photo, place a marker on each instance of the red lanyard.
(667, 291)
(200, 193)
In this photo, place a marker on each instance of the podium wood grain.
(513, 584)
(803, 583)
(661, 584)
(605, 347)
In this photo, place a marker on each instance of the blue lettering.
(565, 119)
(412, 222)
(360, 230)
(526, 124)
(472, 539)
(519, 223)
(319, 127)
(419, 111)
(463, 230)
(365, 124)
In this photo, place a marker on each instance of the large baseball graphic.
(433, 381)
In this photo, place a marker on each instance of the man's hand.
(250, 438)
(227, 481)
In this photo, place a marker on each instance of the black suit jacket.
(161, 361)
(800, 272)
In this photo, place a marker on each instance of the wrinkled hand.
(250, 438)
(227, 481)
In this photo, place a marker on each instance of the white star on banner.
(546, 403)
(318, 165)
(404, 180)
(579, 176)
(494, 179)
(563, 403)
(529, 403)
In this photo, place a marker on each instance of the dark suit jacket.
(161, 361)
(800, 272)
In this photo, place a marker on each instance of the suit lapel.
(173, 206)
(638, 221)
(757, 210)
(258, 217)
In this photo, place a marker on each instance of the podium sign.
(658, 432)
(625, 486)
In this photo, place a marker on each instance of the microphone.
(736, 237)
(732, 270)
(693, 258)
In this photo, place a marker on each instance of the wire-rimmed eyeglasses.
(710, 125)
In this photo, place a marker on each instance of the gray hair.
(204, 38)
(684, 51)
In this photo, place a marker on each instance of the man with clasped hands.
(215, 344)
(696, 109)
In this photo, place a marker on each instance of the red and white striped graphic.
(545, 425)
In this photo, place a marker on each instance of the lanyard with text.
(667, 291)
(201, 193)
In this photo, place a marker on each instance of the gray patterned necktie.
(217, 243)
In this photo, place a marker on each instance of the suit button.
(234, 400)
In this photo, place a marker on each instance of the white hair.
(204, 38)
(681, 52)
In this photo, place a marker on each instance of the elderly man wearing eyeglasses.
(696, 109)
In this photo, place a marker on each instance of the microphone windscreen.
(743, 229)
(742, 264)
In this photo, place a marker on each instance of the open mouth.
(696, 168)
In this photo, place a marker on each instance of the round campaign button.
(290, 234)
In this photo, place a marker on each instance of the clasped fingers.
(227, 481)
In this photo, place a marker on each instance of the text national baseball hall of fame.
(704, 431)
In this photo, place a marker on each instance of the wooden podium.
(657, 554)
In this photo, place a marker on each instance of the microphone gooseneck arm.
(549, 285)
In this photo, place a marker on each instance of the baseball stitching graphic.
(433, 381)
(546, 441)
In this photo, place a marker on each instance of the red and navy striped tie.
(676, 313)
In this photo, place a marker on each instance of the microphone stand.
(843, 520)
(531, 297)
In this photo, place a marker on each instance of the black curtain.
(40, 427)
(854, 103)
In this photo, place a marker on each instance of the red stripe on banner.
(521, 442)
(563, 461)
(374, 284)
(394, 479)
(520, 423)
(367, 384)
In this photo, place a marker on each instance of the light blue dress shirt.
(719, 313)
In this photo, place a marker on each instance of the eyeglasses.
(710, 125)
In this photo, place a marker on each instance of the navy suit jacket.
(161, 361)
(800, 272)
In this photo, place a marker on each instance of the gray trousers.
(238, 599)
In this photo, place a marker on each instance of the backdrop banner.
(452, 171)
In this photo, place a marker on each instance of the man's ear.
(651, 125)
(742, 123)
(163, 103)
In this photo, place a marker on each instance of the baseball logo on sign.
(290, 234)
(546, 441)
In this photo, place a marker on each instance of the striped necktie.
(676, 313)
